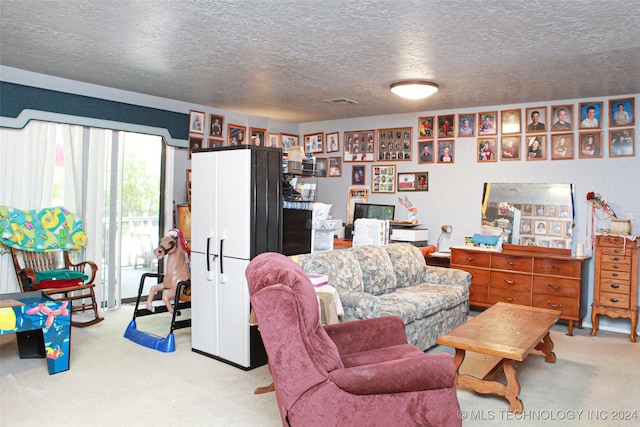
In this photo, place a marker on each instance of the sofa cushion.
(378, 276)
(342, 267)
(423, 303)
(408, 264)
(424, 293)
(393, 305)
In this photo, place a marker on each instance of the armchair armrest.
(89, 268)
(447, 276)
(423, 372)
(361, 335)
(26, 279)
(359, 305)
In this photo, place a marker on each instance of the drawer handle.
(617, 251)
(469, 258)
(615, 274)
(615, 286)
(614, 300)
(616, 259)
(511, 263)
(510, 299)
(554, 286)
(616, 266)
(557, 267)
(511, 282)
(555, 305)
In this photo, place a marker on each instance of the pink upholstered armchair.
(360, 373)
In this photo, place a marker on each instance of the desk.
(34, 311)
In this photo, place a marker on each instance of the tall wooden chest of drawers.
(615, 278)
(532, 276)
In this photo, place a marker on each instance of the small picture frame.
(527, 241)
(314, 143)
(487, 123)
(561, 118)
(333, 142)
(358, 175)
(590, 115)
(527, 209)
(425, 152)
(540, 227)
(322, 167)
(413, 181)
(425, 127)
(215, 143)
(511, 121)
(466, 125)
(590, 145)
(359, 146)
(335, 166)
(287, 140)
(395, 144)
(559, 243)
(563, 211)
(257, 136)
(196, 122)
(486, 150)
(536, 118)
(621, 112)
(383, 179)
(537, 147)
(446, 151)
(510, 148)
(538, 210)
(446, 125)
(216, 126)
(562, 146)
(195, 143)
(236, 135)
(273, 140)
(525, 226)
(621, 143)
(551, 210)
(555, 228)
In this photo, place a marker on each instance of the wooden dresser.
(615, 279)
(534, 276)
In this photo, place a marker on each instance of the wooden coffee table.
(510, 332)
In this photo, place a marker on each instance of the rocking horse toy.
(175, 286)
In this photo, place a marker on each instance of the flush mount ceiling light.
(414, 89)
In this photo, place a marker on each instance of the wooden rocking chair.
(66, 287)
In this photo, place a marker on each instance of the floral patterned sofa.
(375, 281)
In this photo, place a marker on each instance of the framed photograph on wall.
(314, 143)
(358, 175)
(287, 141)
(537, 147)
(540, 226)
(466, 125)
(487, 123)
(406, 181)
(621, 112)
(590, 115)
(195, 143)
(216, 126)
(590, 145)
(510, 121)
(425, 152)
(257, 136)
(333, 142)
(486, 150)
(215, 143)
(359, 146)
(525, 226)
(322, 167)
(536, 118)
(383, 179)
(510, 148)
(446, 125)
(561, 118)
(562, 146)
(196, 122)
(273, 140)
(425, 127)
(395, 144)
(621, 143)
(335, 166)
(446, 151)
(237, 135)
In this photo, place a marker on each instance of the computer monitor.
(373, 211)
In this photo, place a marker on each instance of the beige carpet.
(113, 381)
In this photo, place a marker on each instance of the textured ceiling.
(284, 58)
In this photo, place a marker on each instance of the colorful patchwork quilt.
(41, 230)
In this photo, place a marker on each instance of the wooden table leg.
(458, 358)
(546, 346)
(595, 321)
(513, 387)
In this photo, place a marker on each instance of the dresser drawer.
(614, 300)
(615, 266)
(479, 294)
(556, 286)
(615, 255)
(470, 258)
(512, 281)
(505, 262)
(568, 306)
(479, 276)
(557, 267)
(615, 286)
(616, 242)
(617, 275)
(504, 295)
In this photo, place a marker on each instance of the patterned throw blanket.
(41, 230)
